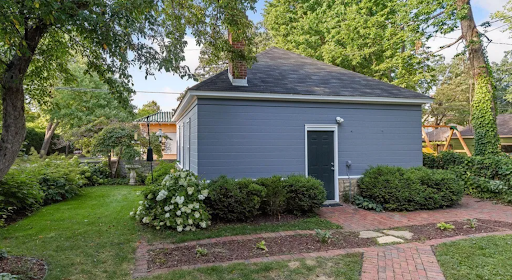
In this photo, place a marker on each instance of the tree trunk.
(50, 131)
(13, 98)
(483, 106)
(116, 170)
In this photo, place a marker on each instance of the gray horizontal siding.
(191, 116)
(244, 138)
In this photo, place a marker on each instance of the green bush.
(274, 201)
(19, 194)
(401, 189)
(487, 177)
(304, 194)
(95, 173)
(234, 200)
(161, 170)
(177, 203)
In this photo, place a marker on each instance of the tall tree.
(149, 108)
(38, 37)
(484, 107)
(381, 39)
(503, 80)
(452, 98)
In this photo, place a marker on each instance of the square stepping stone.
(403, 234)
(389, 239)
(369, 234)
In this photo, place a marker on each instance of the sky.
(167, 82)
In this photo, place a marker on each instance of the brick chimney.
(237, 70)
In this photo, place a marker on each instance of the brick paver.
(352, 218)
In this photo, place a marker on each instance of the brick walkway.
(352, 218)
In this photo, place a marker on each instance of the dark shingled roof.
(278, 71)
(504, 122)
(160, 117)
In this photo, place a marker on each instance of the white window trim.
(324, 127)
(188, 143)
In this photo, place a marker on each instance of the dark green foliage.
(34, 140)
(19, 192)
(274, 202)
(234, 200)
(95, 173)
(487, 177)
(483, 118)
(401, 189)
(159, 172)
(444, 160)
(367, 204)
(304, 194)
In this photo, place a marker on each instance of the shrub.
(399, 189)
(234, 200)
(367, 204)
(274, 201)
(19, 193)
(177, 203)
(95, 173)
(444, 160)
(304, 194)
(160, 172)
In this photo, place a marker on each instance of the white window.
(188, 143)
(181, 144)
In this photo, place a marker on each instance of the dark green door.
(321, 159)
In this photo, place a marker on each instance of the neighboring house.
(504, 122)
(163, 121)
(292, 114)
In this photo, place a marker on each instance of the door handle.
(332, 168)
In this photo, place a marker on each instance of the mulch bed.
(246, 249)
(264, 219)
(27, 268)
(295, 244)
(430, 231)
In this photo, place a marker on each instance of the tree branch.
(449, 45)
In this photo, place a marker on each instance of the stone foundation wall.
(344, 187)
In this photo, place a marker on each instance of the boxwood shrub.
(242, 200)
(234, 200)
(303, 194)
(401, 189)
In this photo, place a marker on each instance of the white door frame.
(324, 127)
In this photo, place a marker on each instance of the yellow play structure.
(429, 149)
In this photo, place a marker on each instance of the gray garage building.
(293, 114)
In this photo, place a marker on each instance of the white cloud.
(490, 5)
(191, 53)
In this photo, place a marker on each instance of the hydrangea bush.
(177, 203)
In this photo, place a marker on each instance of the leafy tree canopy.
(39, 37)
(381, 39)
(149, 108)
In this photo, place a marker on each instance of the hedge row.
(487, 177)
(242, 200)
(32, 182)
(407, 189)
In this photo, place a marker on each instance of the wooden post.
(463, 143)
(448, 140)
(426, 139)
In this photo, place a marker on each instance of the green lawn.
(477, 258)
(92, 237)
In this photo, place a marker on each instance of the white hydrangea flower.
(161, 195)
(179, 221)
(179, 228)
(193, 228)
(190, 221)
(188, 210)
(145, 220)
(180, 199)
(132, 214)
(178, 213)
(167, 215)
(196, 214)
(140, 202)
(203, 224)
(187, 228)
(204, 192)
(201, 197)
(190, 190)
(196, 205)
